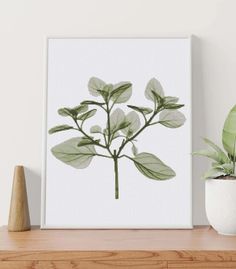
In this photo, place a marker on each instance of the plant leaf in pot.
(221, 179)
(229, 136)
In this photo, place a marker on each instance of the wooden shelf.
(201, 248)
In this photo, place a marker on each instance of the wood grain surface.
(201, 265)
(201, 247)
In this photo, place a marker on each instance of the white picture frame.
(66, 56)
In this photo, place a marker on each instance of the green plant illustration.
(78, 152)
(223, 161)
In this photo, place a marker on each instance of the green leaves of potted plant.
(221, 179)
(78, 152)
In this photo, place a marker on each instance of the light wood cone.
(19, 219)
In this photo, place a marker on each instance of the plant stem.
(234, 156)
(108, 124)
(126, 156)
(139, 131)
(116, 175)
(107, 146)
(81, 130)
(102, 155)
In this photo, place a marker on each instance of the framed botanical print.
(117, 151)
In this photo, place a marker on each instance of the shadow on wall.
(33, 183)
(198, 131)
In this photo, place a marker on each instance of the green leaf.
(143, 110)
(116, 135)
(152, 167)
(157, 99)
(223, 158)
(121, 126)
(209, 154)
(229, 133)
(104, 94)
(96, 129)
(80, 109)
(65, 112)
(173, 106)
(116, 119)
(69, 153)
(121, 92)
(95, 85)
(153, 86)
(134, 150)
(170, 100)
(216, 154)
(171, 118)
(227, 168)
(132, 118)
(59, 128)
(90, 102)
(72, 112)
(86, 141)
(213, 173)
(108, 88)
(87, 115)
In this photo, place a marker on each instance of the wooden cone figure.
(19, 219)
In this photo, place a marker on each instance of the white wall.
(24, 24)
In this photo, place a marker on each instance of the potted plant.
(221, 179)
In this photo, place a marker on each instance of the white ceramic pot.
(221, 205)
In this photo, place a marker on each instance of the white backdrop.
(24, 26)
(85, 197)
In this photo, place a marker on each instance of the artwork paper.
(118, 134)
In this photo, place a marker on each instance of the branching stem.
(153, 123)
(108, 123)
(148, 123)
(86, 135)
(102, 155)
(126, 156)
(115, 123)
(116, 154)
